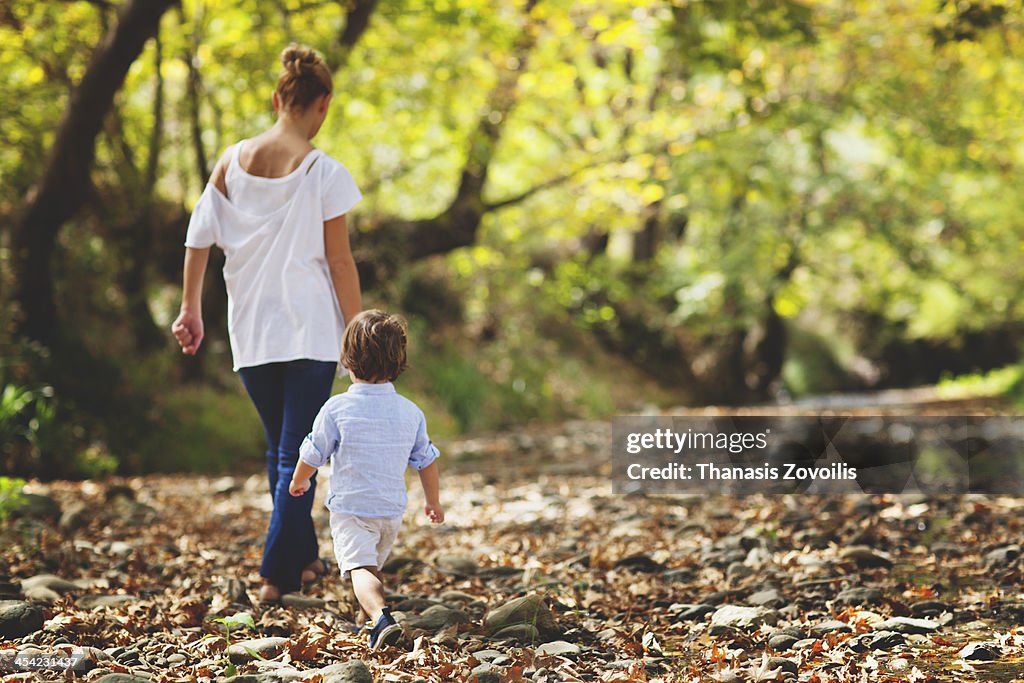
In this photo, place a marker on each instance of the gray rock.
(908, 625)
(456, 565)
(695, 612)
(830, 626)
(176, 659)
(767, 598)
(526, 633)
(121, 678)
(859, 596)
(804, 644)
(50, 581)
(782, 664)
(41, 594)
(1000, 557)
(529, 609)
(300, 601)
(865, 556)
(877, 640)
(727, 676)
(457, 596)
(780, 642)
(93, 601)
(268, 648)
(75, 517)
(38, 506)
(416, 604)
(399, 562)
(485, 673)
(487, 655)
(559, 647)
(352, 671)
(981, 652)
(737, 616)
(19, 618)
(436, 617)
(930, 608)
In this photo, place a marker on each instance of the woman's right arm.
(188, 328)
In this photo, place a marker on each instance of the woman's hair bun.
(299, 60)
(305, 77)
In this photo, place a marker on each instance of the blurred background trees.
(583, 208)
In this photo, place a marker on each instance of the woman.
(276, 206)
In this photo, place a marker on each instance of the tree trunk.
(65, 183)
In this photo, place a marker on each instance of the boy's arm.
(300, 480)
(431, 481)
(316, 448)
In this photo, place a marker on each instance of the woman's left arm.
(342, 265)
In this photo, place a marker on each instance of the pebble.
(780, 642)
(737, 616)
(559, 647)
(19, 618)
(1000, 557)
(907, 625)
(457, 565)
(878, 640)
(268, 648)
(177, 659)
(530, 610)
(767, 598)
(299, 601)
(930, 608)
(866, 556)
(831, 626)
(694, 612)
(859, 595)
(981, 652)
(436, 617)
(526, 633)
(783, 664)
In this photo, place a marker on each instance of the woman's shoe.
(313, 571)
(269, 594)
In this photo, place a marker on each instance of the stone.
(395, 563)
(38, 506)
(457, 596)
(695, 612)
(727, 676)
(457, 565)
(19, 618)
(485, 673)
(352, 671)
(930, 608)
(234, 590)
(176, 659)
(865, 556)
(1000, 557)
(767, 598)
(268, 648)
(436, 617)
(782, 664)
(99, 600)
(74, 517)
(121, 678)
(416, 604)
(908, 625)
(737, 616)
(559, 647)
(830, 626)
(804, 644)
(300, 601)
(780, 642)
(526, 633)
(529, 609)
(981, 652)
(487, 655)
(877, 640)
(859, 595)
(51, 582)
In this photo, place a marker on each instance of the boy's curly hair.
(373, 347)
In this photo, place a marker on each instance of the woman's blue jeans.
(288, 397)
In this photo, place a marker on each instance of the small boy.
(372, 434)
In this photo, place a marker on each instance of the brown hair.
(373, 348)
(304, 77)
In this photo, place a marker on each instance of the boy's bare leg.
(368, 586)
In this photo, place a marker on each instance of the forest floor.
(133, 575)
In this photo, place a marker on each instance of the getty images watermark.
(818, 454)
(31, 658)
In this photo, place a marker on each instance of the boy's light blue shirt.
(371, 434)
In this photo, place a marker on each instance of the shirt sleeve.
(339, 190)
(424, 451)
(204, 224)
(322, 442)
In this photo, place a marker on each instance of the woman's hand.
(188, 330)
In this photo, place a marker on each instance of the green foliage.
(10, 495)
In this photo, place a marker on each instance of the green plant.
(235, 620)
(10, 495)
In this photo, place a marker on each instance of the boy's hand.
(298, 487)
(435, 512)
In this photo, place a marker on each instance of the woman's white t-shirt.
(281, 302)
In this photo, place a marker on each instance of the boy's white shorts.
(362, 541)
